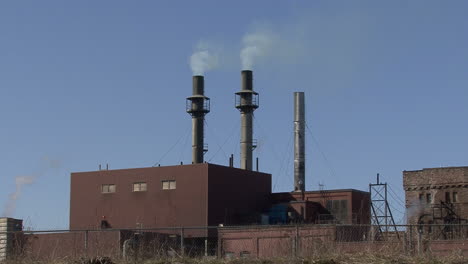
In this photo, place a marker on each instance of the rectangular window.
(447, 197)
(429, 227)
(139, 187)
(455, 197)
(428, 198)
(108, 188)
(421, 197)
(169, 185)
(339, 209)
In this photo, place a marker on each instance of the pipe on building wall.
(198, 106)
(299, 142)
(246, 102)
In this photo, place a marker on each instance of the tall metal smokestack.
(246, 102)
(198, 105)
(299, 142)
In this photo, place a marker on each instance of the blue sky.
(84, 83)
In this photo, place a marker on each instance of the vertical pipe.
(247, 106)
(299, 142)
(182, 242)
(198, 109)
(246, 140)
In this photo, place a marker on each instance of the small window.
(447, 197)
(169, 185)
(455, 197)
(421, 197)
(139, 187)
(108, 188)
(428, 198)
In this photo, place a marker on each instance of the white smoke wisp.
(203, 59)
(256, 45)
(25, 180)
(20, 182)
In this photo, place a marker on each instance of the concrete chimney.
(198, 105)
(299, 142)
(246, 102)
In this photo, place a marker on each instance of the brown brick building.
(436, 195)
(187, 195)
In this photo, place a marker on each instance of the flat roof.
(330, 191)
(438, 168)
(168, 166)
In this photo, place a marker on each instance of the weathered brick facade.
(436, 195)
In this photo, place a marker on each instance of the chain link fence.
(237, 242)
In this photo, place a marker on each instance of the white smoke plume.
(204, 58)
(24, 180)
(257, 45)
(20, 181)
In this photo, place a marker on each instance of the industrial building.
(8, 240)
(436, 195)
(203, 194)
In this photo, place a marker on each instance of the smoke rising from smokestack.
(24, 180)
(10, 205)
(204, 59)
(256, 45)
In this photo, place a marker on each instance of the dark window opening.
(428, 198)
(339, 209)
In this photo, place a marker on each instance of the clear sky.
(84, 83)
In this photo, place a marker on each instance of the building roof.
(438, 168)
(331, 191)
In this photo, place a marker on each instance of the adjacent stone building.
(436, 195)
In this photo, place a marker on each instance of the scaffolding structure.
(382, 216)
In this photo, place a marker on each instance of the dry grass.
(365, 258)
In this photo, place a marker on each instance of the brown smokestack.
(246, 102)
(198, 105)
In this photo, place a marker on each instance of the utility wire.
(284, 161)
(398, 197)
(392, 191)
(170, 149)
(275, 153)
(216, 140)
(332, 171)
(225, 141)
(184, 145)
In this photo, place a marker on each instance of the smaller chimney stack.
(246, 102)
(198, 105)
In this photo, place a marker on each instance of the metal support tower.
(381, 213)
(246, 101)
